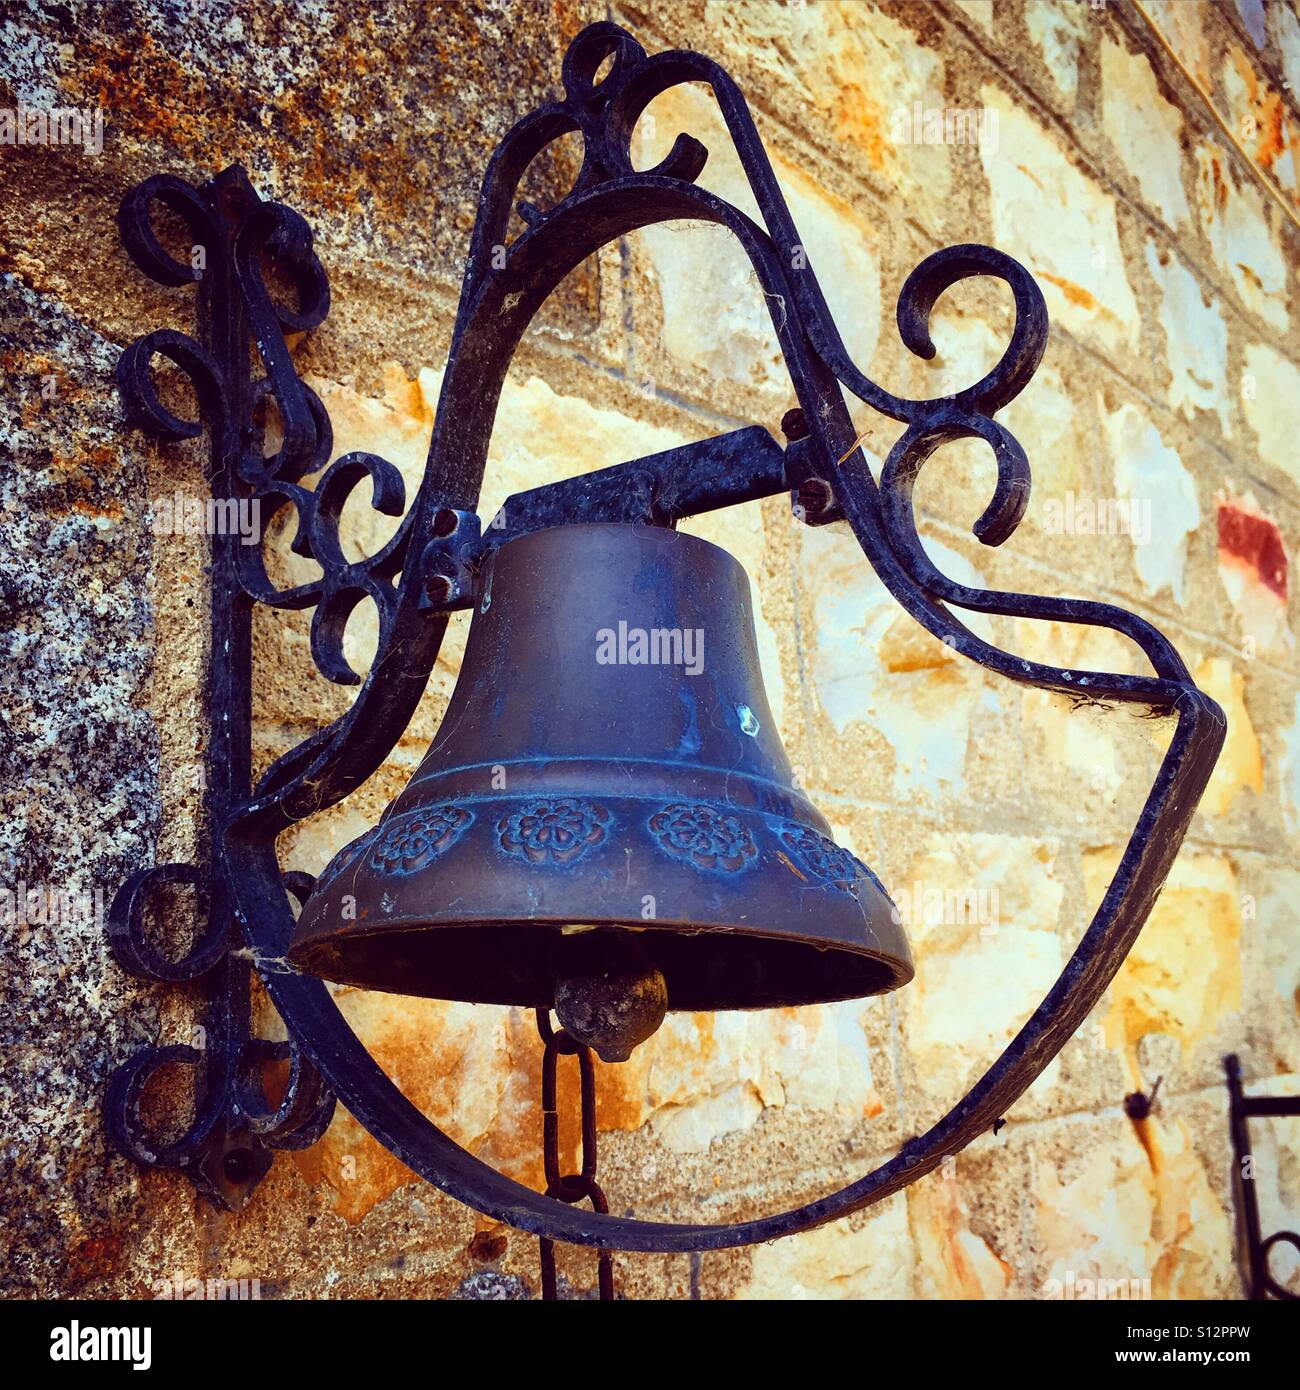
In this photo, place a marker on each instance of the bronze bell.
(606, 814)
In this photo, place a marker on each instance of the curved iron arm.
(498, 302)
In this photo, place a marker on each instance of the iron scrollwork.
(228, 1144)
(441, 537)
(1255, 1247)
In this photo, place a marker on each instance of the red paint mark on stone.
(1254, 541)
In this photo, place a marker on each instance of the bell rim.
(896, 961)
(822, 932)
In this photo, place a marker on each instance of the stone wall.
(1142, 163)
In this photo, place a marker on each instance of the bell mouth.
(518, 963)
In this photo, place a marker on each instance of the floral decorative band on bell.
(553, 830)
(416, 841)
(703, 837)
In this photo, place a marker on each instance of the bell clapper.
(609, 994)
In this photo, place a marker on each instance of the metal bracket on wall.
(229, 1143)
(608, 81)
(1255, 1251)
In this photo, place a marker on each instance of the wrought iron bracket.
(827, 474)
(1255, 1249)
(228, 1145)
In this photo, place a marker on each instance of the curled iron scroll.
(231, 1110)
(237, 232)
(136, 954)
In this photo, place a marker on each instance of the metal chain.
(572, 1187)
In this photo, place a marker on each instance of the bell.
(606, 822)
